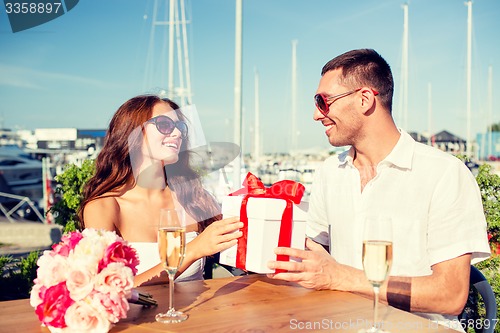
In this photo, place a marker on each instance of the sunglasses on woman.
(166, 125)
(322, 104)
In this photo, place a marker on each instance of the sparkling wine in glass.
(172, 248)
(377, 259)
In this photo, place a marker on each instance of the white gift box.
(264, 221)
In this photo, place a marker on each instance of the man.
(431, 197)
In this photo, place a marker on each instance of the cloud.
(28, 78)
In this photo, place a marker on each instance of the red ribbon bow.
(287, 190)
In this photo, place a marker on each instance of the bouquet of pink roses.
(83, 283)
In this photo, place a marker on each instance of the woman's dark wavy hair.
(114, 168)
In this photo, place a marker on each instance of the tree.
(495, 127)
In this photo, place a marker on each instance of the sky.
(77, 69)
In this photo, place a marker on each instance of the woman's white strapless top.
(149, 257)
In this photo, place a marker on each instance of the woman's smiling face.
(158, 146)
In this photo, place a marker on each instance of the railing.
(22, 201)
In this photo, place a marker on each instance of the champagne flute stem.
(171, 292)
(376, 290)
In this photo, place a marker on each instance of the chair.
(479, 283)
(213, 269)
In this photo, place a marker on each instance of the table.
(250, 303)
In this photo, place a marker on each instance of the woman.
(143, 167)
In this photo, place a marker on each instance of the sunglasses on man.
(322, 104)
(165, 125)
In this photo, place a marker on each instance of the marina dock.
(22, 237)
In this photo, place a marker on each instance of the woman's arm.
(154, 275)
(218, 236)
(103, 213)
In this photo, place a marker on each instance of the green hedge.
(69, 193)
(489, 184)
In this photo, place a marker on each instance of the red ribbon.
(287, 190)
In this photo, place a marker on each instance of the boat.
(20, 174)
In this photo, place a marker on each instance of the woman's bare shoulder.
(102, 213)
(107, 201)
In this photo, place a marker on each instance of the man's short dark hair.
(364, 67)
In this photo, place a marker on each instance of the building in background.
(443, 140)
(69, 138)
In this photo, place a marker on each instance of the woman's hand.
(218, 236)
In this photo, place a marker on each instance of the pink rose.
(115, 305)
(56, 301)
(83, 317)
(80, 284)
(67, 243)
(118, 252)
(115, 278)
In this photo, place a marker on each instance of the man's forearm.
(398, 293)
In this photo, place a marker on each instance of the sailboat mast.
(294, 95)
(181, 92)
(257, 120)
(237, 90)
(150, 58)
(405, 66)
(171, 30)
(490, 109)
(469, 71)
(429, 115)
(175, 30)
(188, 95)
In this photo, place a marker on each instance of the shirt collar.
(346, 157)
(401, 155)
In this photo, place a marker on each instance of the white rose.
(87, 254)
(52, 269)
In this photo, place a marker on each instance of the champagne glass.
(172, 248)
(377, 259)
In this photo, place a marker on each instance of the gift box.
(264, 226)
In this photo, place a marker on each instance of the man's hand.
(317, 270)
